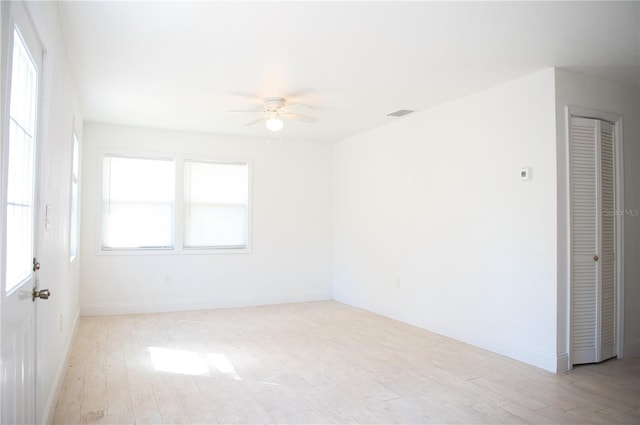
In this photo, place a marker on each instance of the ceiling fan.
(274, 114)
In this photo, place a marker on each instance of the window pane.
(216, 205)
(138, 203)
(210, 226)
(20, 190)
(19, 246)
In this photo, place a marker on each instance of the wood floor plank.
(321, 362)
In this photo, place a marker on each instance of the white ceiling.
(183, 65)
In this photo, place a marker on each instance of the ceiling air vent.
(400, 113)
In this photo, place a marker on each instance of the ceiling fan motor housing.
(273, 104)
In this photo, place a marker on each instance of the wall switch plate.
(47, 213)
(525, 173)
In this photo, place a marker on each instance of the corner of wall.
(562, 230)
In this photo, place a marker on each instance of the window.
(73, 225)
(20, 181)
(174, 204)
(138, 197)
(215, 204)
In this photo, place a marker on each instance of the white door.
(593, 218)
(19, 135)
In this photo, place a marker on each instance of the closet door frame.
(616, 119)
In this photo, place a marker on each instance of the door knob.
(43, 294)
(595, 258)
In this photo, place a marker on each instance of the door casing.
(616, 119)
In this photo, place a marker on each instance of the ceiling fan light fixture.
(274, 124)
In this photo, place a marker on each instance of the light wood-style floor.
(321, 362)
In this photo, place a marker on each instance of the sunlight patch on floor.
(178, 361)
(223, 365)
(191, 363)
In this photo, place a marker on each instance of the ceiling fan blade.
(263, 118)
(299, 93)
(248, 96)
(297, 117)
(247, 110)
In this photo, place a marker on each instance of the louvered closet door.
(592, 241)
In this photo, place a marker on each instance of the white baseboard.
(547, 361)
(50, 407)
(103, 309)
(532, 356)
(632, 349)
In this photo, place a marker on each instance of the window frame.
(178, 223)
(186, 200)
(171, 230)
(22, 33)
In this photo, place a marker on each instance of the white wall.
(56, 317)
(601, 96)
(433, 226)
(290, 257)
